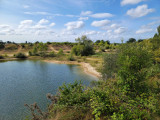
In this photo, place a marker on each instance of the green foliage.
(2, 44)
(70, 57)
(158, 29)
(20, 55)
(60, 52)
(131, 40)
(110, 66)
(84, 48)
(102, 49)
(72, 94)
(42, 47)
(1, 57)
(77, 50)
(132, 68)
(125, 92)
(51, 54)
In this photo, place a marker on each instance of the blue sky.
(65, 20)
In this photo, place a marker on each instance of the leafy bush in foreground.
(128, 91)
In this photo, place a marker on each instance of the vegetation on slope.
(129, 89)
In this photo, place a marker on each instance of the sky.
(65, 20)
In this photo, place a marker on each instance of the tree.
(131, 40)
(108, 42)
(2, 44)
(158, 29)
(84, 47)
(97, 42)
(140, 40)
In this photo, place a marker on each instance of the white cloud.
(6, 30)
(91, 33)
(111, 27)
(83, 18)
(26, 24)
(114, 26)
(147, 28)
(74, 25)
(144, 30)
(100, 23)
(4, 26)
(39, 27)
(101, 15)
(37, 13)
(52, 24)
(85, 13)
(43, 21)
(70, 15)
(26, 6)
(66, 32)
(120, 30)
(126, 2)
(140, 11)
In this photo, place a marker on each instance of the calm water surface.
(29, 81)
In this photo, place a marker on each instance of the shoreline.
(87, 68)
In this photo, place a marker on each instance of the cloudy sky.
(65, 20)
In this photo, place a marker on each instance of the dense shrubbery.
(1, 57)
(84, 47)
(20, 55)
(39, 49)
(125, 93)
(2, 44)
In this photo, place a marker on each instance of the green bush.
(1, 57)
(84, 48)
(71, 58)
(132, 68)
(60, 52)
(51, 54)
(20, 55)
(2, 45)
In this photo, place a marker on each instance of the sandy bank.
(86, 66)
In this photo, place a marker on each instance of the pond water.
(29, 81)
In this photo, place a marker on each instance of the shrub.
(71, 58)
(51, 54)
(84, 48)
(1, 57)
(2, 44)
(132, 68)
(43, 54)
(102, 49)
(20, 55)
(60, 52)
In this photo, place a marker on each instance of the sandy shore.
(86, 66)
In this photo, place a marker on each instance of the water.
(29, 81)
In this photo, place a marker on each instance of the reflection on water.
(29, 81)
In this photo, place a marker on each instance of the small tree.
(84, 47)
(131, 40)
(158, 29)
(2, 44)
